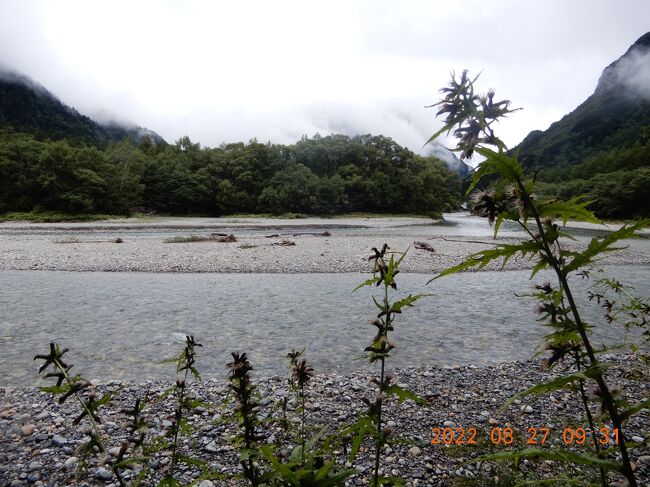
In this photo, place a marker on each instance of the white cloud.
(226, 71)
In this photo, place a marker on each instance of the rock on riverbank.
(38, 443)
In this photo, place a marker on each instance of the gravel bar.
(261, 246)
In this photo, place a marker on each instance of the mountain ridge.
(29, 107)
(614, 115)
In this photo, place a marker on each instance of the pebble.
(414, 451)
(103, 474)
(637, 439)
(59, 441)
(71, 462)
(527, 409)
(27, 429)
(645, 459)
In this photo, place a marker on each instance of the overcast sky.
(275, 70)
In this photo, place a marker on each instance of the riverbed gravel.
(261, 246)
(39, 444)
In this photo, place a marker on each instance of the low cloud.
(633, 72)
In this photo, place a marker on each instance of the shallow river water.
(122, 325)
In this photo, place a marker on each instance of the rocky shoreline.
(38, 442)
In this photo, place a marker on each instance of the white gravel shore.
(142, 247)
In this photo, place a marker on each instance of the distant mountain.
(453, 162)
(29, 107)
(614, 116)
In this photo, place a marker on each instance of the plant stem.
(608, 399)
(590, 419)
(302, 424)
(89, 414)
(177, 419)
(379, 442)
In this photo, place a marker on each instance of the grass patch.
(52, 217)
(283, 216)
(189, 239)
(384, 215)
(197, 238)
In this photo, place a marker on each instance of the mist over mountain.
(437, 150)
(28, 107)
(614, 116)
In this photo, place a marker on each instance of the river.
(122, 325)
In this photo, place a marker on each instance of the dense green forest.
(318, 175)
(616, 181)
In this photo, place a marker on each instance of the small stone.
(41, 437)
(33, 466)
(114, 452)
(637, 439)
(103, 474)
(206, 483)
(645, 459)
(391, 424)
(449, 424)
(211, 447)
(27, 429)
(493, 421)
(414, 451)
(7, 413)
(59, 441)
(526, 409)
(71, 463)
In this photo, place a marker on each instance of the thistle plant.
(246, 408)
(84, 392)
(308, 462)
(511, 197)
(185, 366)
(384, 270)
(301, 373)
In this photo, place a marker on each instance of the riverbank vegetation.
(319, 176)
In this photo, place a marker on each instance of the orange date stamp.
(535, 436)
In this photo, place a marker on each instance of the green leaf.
(169, 481)
(191, 461)
(129, 462)
(555, 384)
(402, 394)
(635, 409)
(360, 429)
(55, 389)
(368, 282)
(600, 245)
(508, 167)
(105, 399)
(283, 470)
(573, 209)
(565, 456)
(397, 306)
(482, 258)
